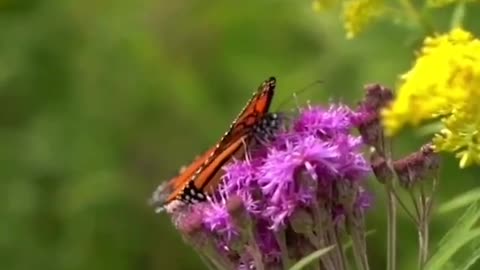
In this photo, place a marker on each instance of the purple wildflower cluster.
(287, 198)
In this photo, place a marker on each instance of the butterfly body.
(200, 179)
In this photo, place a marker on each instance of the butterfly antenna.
(296, 93)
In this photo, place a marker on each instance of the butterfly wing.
(208, 178)
(202, 176)
(168, 191)
(240, 132)
(252, 113)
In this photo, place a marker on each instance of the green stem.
(391, 227)
(391, 210)
(458, 15)
(327, 260)
(283, 249)
(333, 240)
(340, 249)
(423, 235)
(358, 245)
(423, 227)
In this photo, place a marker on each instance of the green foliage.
(460, 236)
(460, 201)
(315, 256)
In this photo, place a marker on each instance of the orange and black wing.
(230, 145)
(168, 191)
(202, 176)
(207, 179)
(255, 110)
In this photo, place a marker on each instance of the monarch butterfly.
(202, 176)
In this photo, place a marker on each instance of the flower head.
(279, 177)
(360, 13)
(321, 122)
(217, 219)
(269, 202)
(444, 83)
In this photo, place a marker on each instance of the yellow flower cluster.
(357, 14)
(443, 83)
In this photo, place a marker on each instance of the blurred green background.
(100, 101)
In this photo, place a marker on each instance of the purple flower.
(324, 122)
(238, 175)
(353, 164)
(217, 219)
(290, 190)
(239, 179)
(279, 176)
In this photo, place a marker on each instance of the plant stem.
(391, 227)
(391, 210)
(283, 249)
(423, 227)
(423, 235)
(343, 260)
(337, 251)
(359, 247)
(327, 260)
(458, 15)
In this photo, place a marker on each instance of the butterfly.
(200, 179)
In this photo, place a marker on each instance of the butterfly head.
(264, 131)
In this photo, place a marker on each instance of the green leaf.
(463, 200)
(474, 256)
(445, 252)
(310, 258)
(457, 237)
(463, 225)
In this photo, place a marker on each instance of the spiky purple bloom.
(279, 176)
(217, 219)
(295, 194)
(324, 122)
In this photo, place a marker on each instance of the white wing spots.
(193, 200)
(191, 194)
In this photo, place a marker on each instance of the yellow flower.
(443, 83)
(357, 14)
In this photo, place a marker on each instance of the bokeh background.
(100, 101)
